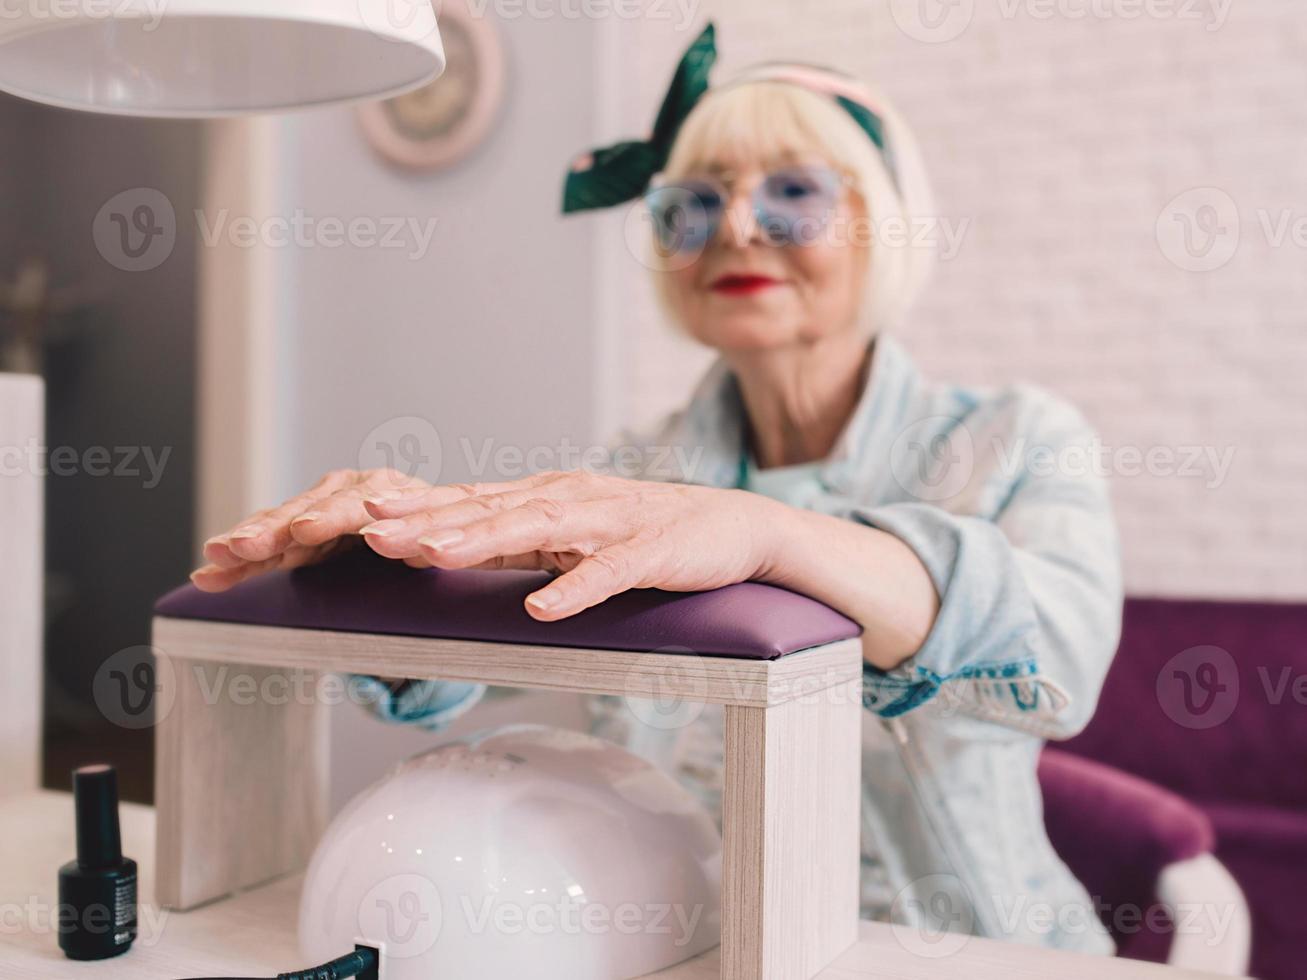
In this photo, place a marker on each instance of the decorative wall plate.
(437, 125)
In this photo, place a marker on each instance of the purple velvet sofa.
(1200, 702)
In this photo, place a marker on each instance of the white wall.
(486, 339)
(1064, 140)
(22, 528)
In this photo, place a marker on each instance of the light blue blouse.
(793, 485)
(994, 491)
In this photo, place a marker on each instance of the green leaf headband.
(622, 172)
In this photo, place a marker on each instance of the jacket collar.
(714, 422)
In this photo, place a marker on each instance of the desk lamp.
(202, 58)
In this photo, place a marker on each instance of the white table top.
(253, 934)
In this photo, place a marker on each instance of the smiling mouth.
(743, 285)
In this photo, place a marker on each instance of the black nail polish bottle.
(97, 892)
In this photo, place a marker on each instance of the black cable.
(361, 963)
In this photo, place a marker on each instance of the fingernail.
(312, 515)
(441, 539)
(381, 497)
(380, 529)
(544, 601)
(253, 531)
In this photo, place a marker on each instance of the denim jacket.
(995, 493)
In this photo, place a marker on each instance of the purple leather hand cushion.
(359, 592)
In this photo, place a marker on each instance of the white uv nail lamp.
(525, 851)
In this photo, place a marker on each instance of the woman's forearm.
(867, 574)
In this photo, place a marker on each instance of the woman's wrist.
(771, 525)
(866, 573)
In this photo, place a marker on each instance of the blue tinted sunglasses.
(792, 206)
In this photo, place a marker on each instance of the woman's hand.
(605, 534)
(303, 530)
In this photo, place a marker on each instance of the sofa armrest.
(1117, 832)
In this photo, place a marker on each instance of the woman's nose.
(739, 222)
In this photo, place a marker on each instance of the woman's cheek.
(830, 271)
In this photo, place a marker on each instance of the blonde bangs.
(767, 123)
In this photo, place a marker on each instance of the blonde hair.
(768, 119)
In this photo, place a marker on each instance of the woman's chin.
(745, 332)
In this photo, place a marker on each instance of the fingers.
(392, 504)
(267, 533)
(303, 529)
(217, 552)
(531, 561)
(215, 578)
(439, 510)
(399, 537)
(595, 578)
(341, 513)
(537, 524)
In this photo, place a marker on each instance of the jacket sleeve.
(1030, 599)
(425, 704)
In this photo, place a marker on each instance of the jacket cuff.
(427, 704)
(979, 650)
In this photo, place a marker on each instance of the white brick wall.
(1063, 139)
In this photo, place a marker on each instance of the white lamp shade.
(523, 852)
(198, 58)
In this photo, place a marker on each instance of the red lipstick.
(743, 285)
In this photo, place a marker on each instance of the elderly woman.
(984, 574)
